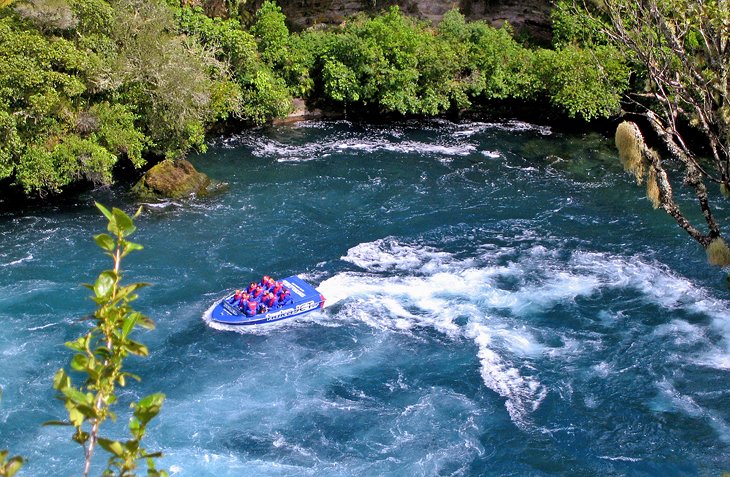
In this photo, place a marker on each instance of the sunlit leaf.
(115, 447)
(74, 395)
(124, 222)
(137, 348)
(105, 283)
(148, 407)
(105, 241)
(13, 466)
(61, 380)
(79, 362)
(104, 211)
(129, 323)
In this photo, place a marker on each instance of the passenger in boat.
(235, 298)
(285, 298)
(257, 292)
(269, 300)
(251, 307)
(262, 309)
(242, 300)
(251, 288)
(277, 288)
(266, 282)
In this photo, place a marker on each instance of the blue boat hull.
(305, 298)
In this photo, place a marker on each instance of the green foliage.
(572, 28)
(168, 79)
(584, 82)
(9, 467)
(254, 93)
(271, 34)
(392, 63)
(100, 354)
(86, 83)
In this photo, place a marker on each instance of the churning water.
(501, 298)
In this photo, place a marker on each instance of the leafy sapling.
(99, 355)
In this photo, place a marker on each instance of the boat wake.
(519, 306)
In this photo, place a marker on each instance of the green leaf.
(115, 447)
(61, 380)
(129, 323)
(76, 417)
(137, 348)
(74, 395)
(79, 344)
(135, 428)
(104, 211)
(105, 283)
(57, 423)
(126, 290)
(124, 223)
(131, 247)
(146, 323)
(148, 407)
(79, 362)
(13, 466)
(105, 241)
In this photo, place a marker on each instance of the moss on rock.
(174, 179)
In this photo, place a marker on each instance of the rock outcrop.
(174, 179)
(529, 18)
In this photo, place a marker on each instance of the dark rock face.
(173, 179)
(527, 17)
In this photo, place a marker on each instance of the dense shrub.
(85, 83)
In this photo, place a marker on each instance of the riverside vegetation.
(90, 85)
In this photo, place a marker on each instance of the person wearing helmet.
(242, 300)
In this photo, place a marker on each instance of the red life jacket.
(252, 305)
(277, 288)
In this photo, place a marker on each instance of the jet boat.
(303, 299)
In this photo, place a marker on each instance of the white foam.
(620, 458)
(390, 254)
(523, 394)
(471, 129)
(27, 258)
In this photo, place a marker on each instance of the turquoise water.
(501, 298)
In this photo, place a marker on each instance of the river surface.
(502, 300)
